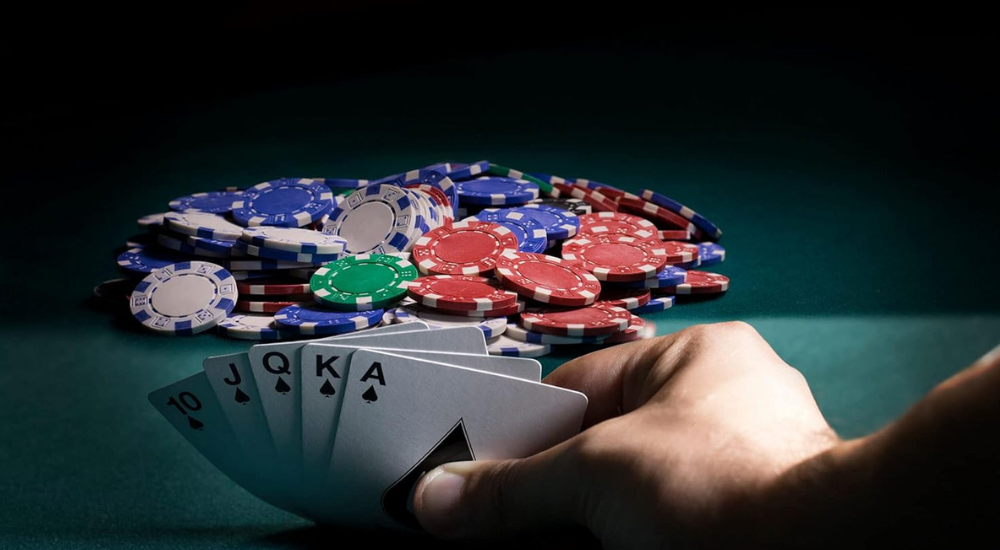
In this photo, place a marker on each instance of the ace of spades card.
(403, 416)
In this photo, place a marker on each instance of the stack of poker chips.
(536, 260)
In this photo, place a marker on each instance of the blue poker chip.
(654, 305)
(558, 223)
(244, 326)
(531, 236)
(491, 326)
(285, 202)
(711, 230)
(145, 260)
(184, 298)
(344, 183)
(670, 276)
(284, 255)
(496, 190)
(307, 320)
(214, 202)
(151, 221)
(710, 253)
(468, 171)
(509, 347)
(178, 243)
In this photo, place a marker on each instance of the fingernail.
(438, 501)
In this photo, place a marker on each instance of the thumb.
(499, 497)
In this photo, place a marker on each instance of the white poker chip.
(184, 298)
(293, 239)
(378, 219)
(506, 346)
(202, 224)
(250, 327)
(491, 326)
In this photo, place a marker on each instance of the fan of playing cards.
(339, 430)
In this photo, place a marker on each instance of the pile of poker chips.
(536, 260)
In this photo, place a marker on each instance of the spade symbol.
(370, 396)
(195, 423)
(282, 387)
(453, 447)
(327, 389)
(241, 397)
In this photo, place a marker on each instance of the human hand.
(689, 437)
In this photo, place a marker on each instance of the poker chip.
(363, 282)
(700, 282)
(677, 252)
(461, 293)
(701, 222)
(264, 306)
(521, 335)
(464, 248)
(710, 253)
(531, 236)
(616, 257)
(282, 255)
(625, 298)
(654, 305)
(213, 202)
(575, 206)
(490, 326)
(287, 202)
(668, 277)
(140, 240)
(250, 327)
(469, 171)
(150, 221)
(345, 183)
(547, 279)
(171, 242)
(508, 347)
(115, 291)
(146, 260)
(497, 170)
(609, 191)
(635, 331)
(558, 223)
(617, 223)
(674, 235)
(499, 312)
(585, 321)
(184, 298)
(202, 224)
(293, 239)
(663, 218)
(598, 201)
(312, 319)
(496, 191)
(255, 275)
(273, 287)
(374, 220)
(263, 265)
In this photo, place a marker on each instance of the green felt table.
(862, 254)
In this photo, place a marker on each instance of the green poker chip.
(362, 282)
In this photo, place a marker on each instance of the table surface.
(861, 243)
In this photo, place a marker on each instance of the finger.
(500, 497)
(611, 378)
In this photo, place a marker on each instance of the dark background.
(850, 157)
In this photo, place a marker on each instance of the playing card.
(190, 406)
(276, 374)
(324, 365)
(233, 384)
(402, 416)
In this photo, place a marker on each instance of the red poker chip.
(500, 312)
(674, 235)
(625, 298)
(677, 252)
(608, 192)
(617, 258)
(605, 223)
(597, 200)
(547, 279)
(637, 330)
(460, 293)
(268, 287)
(699, 282)
(663, 218)
(464, 248)
(254, 306)
(585, 321)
